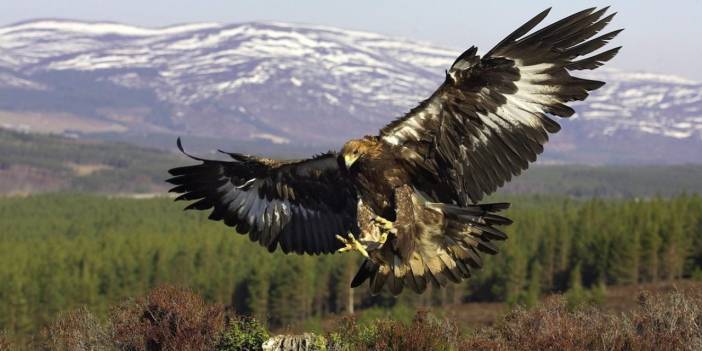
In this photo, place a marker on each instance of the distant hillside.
(287, 88)
(31, 163)
(608, 181)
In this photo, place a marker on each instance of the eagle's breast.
(376, 180)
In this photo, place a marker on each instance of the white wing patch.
(491, 116)
(411, 128)
(522, 107)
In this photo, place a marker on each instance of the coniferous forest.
(62, 251)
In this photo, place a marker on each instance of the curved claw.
(383, 238)
(383, 223)
(351, 244)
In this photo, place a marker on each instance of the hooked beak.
(349, 160)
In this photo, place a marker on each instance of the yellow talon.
(383, 223)
(383, 238)
(352, 244)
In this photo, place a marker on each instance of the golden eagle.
(407, 197)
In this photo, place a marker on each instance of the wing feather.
(297, 205)
(489, 119)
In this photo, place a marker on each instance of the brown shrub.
(425, 332)
(76, 330)
(667, 322)
(167, 319)
(550, 326)
(662, 322)
(5, 343)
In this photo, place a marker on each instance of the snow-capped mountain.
(292, 85)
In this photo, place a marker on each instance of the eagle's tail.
(448, 248)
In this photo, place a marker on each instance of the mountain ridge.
(291, 86)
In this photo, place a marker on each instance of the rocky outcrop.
(302, 342)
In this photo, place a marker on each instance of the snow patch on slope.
(328, 75)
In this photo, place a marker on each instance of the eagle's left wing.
(298, 205)
(488, 119)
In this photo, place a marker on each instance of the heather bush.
(5, 343)
(77, 330)
(667, 322)
(660, 322)
(549, 326)
(424, 332)
(167, 319)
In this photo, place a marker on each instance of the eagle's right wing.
(490, 117)
(299, 205)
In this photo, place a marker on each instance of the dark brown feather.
(488, 120)
(247, 193)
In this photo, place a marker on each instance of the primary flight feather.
(407, 198)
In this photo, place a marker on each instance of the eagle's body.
(410, 193)
(380, 162)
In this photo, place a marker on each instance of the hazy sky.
(661, 36)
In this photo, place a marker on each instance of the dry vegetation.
(5, 342)
(660, 322)
(664, 321)
(169, 318)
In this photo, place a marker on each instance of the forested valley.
(33, 163)
(62, 251)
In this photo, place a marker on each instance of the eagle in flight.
(407, 198)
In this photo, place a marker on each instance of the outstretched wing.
(299, 205)
(488, 119)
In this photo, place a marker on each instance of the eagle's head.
(357, 149)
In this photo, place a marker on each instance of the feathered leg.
(373, 236)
